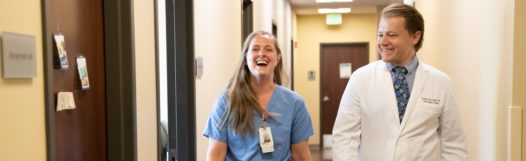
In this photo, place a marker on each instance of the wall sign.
(18, 55)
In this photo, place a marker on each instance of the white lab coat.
(367, 127)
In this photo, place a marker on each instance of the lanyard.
(264, 117)
(265, 135)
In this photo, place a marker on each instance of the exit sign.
(334, 19)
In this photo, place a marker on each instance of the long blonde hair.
(242, 100)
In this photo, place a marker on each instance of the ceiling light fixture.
(332, 1)
(333, 10)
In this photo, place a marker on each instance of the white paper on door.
(345, 70)
(65, 101)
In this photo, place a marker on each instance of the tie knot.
(400, 70)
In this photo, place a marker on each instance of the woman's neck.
(262, 86)
(263, 89)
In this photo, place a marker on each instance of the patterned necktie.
(401, 90)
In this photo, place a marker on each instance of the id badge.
(265, 140)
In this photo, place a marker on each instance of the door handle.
(326, 98)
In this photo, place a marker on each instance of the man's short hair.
(413, 19)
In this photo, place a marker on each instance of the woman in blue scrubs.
(256, 118)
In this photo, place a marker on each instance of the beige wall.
(218, 41)
(282, 17)
(22, 117)
(311, 31)
(278, 12)
(519, 66)
(144, 42)
(475, 48)
(262, 15)
(294, 32)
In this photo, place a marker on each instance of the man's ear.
(416, 37)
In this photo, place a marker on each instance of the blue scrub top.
(292, 125)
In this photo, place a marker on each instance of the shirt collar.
(411, 66)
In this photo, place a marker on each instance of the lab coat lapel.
(418, 86)
(390, 94)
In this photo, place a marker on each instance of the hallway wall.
(218, 41)
(475, 47)
(279, 13)
(311, 31)
(519, 66)
(22, 117)
(282, 17)
(145, 79)
(262, 15)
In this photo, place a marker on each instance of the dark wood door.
(332, 85)
(80, 134)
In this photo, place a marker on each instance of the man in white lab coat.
(398, 108)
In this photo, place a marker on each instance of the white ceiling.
(310, 7)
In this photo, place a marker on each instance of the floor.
(319, 154)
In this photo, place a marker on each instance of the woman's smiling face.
(262, 56)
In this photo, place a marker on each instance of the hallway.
(479, 44)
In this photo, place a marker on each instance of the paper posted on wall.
(65, 101)
(83, 72)
(61, 49)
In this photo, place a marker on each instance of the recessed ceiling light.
(332, 1)
(334, 10)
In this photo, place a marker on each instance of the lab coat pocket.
(427, 114)
(430, 108)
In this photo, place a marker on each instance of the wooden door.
(79, 134)
(331, 84)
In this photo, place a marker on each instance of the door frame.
(181, 80)
(120, 80)
(321, 86)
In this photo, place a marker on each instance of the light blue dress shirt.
(411, 72)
